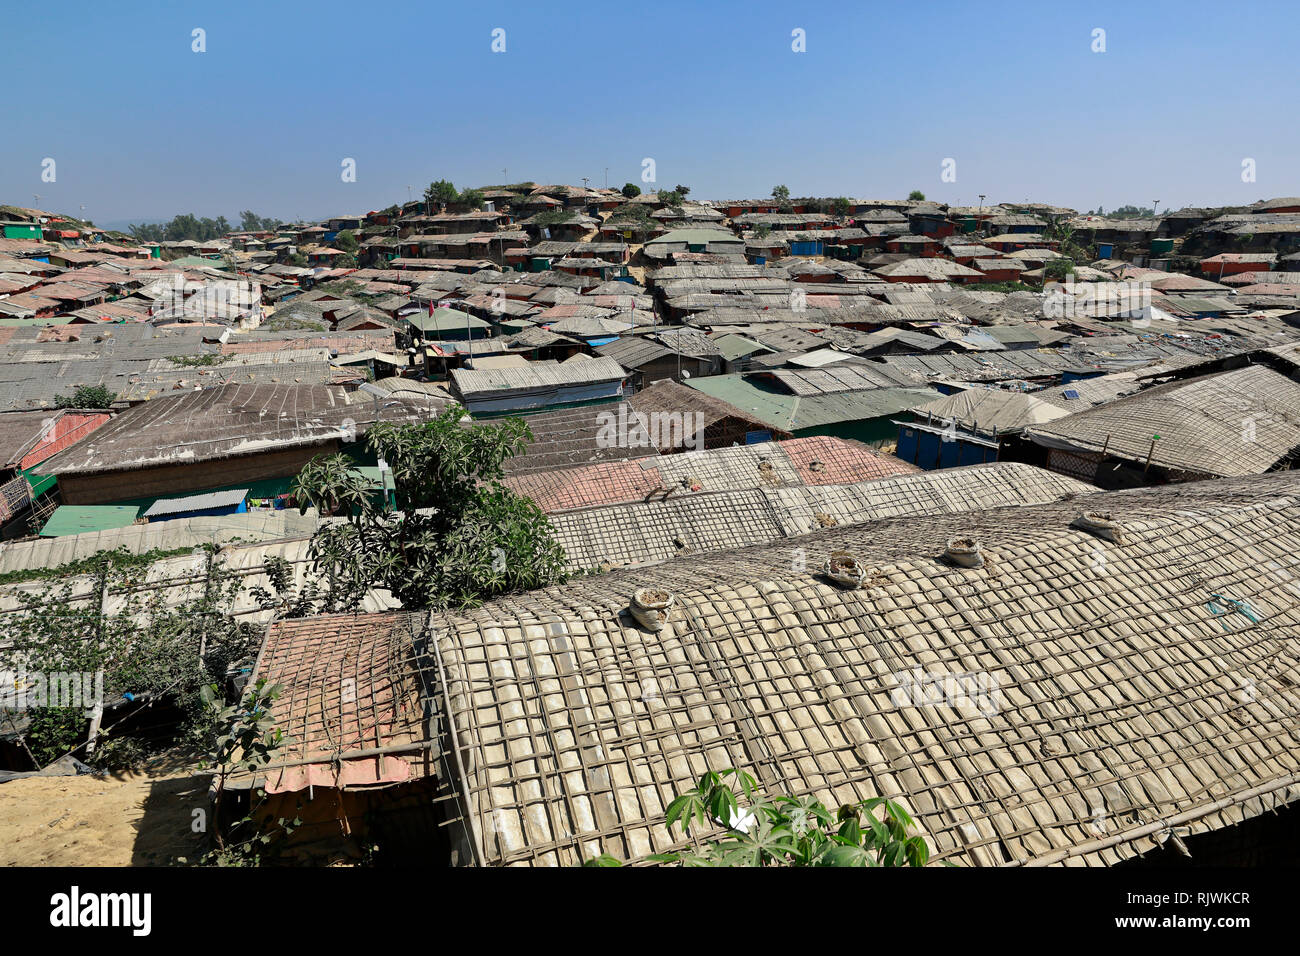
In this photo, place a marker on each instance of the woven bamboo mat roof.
(1123, 688)
(814, 460)
(541, 374)
(990, 410)
(641, 532)
(571, 437)
(666, 397)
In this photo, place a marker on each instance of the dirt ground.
(132, 819)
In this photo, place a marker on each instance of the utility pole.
(979, 215)
(606, 177)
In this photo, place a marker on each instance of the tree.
(146, 232)
(631, 190)
(188, 226)
(552, 217)
(841, 206)
(462, 537)
(345, 261)
(86, 396)
(250, 221)
(147, 645)
(781, 194)
(1131, 212)
(1058, 268)
(473, 198)
(673, 198)
(346, 241)
(916, 195)
(442, 192)
(330, 483)
(785, 831)
(632, 210)
(1064, 235)
(681, 190)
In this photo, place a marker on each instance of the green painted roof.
(446, 320)
(733, 346)
(77, 519)
(697, 237)
(792, 412)
(47, 320)
(769, 406)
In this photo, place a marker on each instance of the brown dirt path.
(129, 819)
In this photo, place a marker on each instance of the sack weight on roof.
(1099, 523)
(845, 569)
(964, 552)
(650, 607)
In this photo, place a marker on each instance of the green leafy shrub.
(86, 396)
(784, 831)
(461, 535)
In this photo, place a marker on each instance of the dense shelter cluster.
(989, 511)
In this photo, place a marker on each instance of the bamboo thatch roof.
(1100, 693)
(814, 460)
(651, 531)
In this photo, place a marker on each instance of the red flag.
(431, 307)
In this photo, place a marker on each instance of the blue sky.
(140, 126)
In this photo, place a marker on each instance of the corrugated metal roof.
(158, 536)
(471, 382)
(201, 502)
